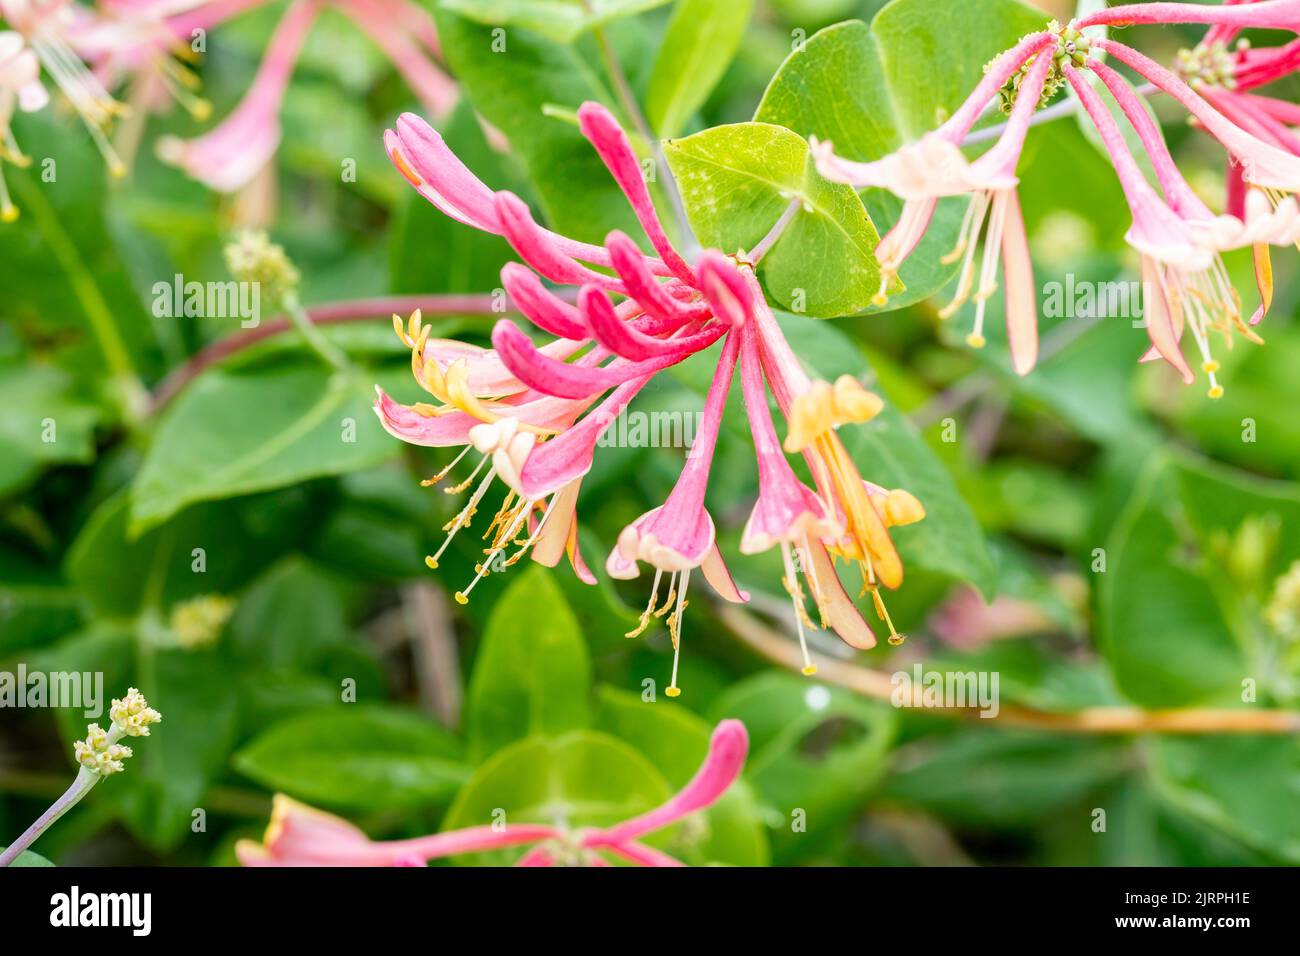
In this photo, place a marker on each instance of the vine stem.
(81, 786)
(878, 685)
(333, 313)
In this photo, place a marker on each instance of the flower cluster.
(534, 414)
(198, 622)
(132, 715)
(100, 752)
(1179, 238)
(300, 835)
(146, 47)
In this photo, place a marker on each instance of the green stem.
(132, 394)
(327, 350)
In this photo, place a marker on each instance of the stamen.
(976, 212)
(91, 101)
(462, 597)
(883, 613)
(675, 629)
(988, 270)
(811, 573)
(649, 608)
(532, 539)
(430, 482)
(460, 488)
(8, 211)
(464, 516)
(800, 614)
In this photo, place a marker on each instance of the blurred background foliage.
(312, 549)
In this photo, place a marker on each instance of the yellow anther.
(902, 508)
(673, 691)
(976, 341)
(431, 562)
(1216, 391)
(1210, 367)
(461, 598)
(810, 670)
(825, 407)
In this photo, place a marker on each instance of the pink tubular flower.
(535, 413)
(923, 172)
(1179, 238)
(229, 156)
(1236, 14)
(935, 167)
(299, 835)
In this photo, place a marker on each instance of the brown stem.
(437, 661)
(1091, 720)
(333, 313)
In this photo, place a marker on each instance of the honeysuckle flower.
(935, 167)
(299, 835)
(1179, 239)
(535, 413)
(99, 754)
(229, 156)
(1266, 15)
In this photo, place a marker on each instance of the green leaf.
(122, 576)
(65, 282)
(813, 748)
(1246, 787)
(986, 777)
(236, 432)
(1188, 565)
(676, 741)
(28, 858)
(183, 756)
(737, 181)
(36, 604)
(43, 421)
(583, 779)
(933, 57)
(532, 676)
(357, 757)
(871, 89)
(560, 20)
(291, 616)
(702, 38)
